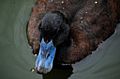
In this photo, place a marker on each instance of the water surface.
(16, 57)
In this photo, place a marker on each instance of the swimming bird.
(66, 31)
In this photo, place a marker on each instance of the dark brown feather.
(91, 22)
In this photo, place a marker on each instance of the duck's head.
(50, 29)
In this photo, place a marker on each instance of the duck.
(66, 31)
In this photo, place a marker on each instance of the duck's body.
(87, 24)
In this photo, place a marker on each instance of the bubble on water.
(86, 12)
(81, 21)
(62, 2)
(81, 18)
(35, 55)
(32, 69)
(95, 2)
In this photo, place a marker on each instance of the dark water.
(16, 57)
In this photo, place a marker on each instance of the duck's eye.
(42, 30)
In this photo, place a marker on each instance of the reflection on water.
(59, 72)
